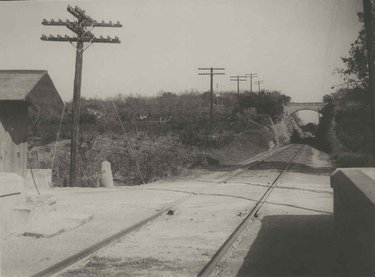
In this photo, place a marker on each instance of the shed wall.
(13, 136)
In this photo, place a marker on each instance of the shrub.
(351, 159)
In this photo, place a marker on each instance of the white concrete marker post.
(106, 178)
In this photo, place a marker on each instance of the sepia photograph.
(168, 138)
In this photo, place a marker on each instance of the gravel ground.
(293, 235)
(112, 211)
(180, 242)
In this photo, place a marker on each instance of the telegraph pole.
(238, 79)
(217, 94)
(252, 75)
(368, 17)
(82, 27)
(258, 83)
(211, 73)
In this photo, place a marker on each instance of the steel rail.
(65, 263)
(256, 161)
(253, 211)
(91, 249)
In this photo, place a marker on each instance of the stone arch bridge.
(311, 106)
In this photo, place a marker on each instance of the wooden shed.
(18, 90)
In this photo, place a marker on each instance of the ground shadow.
(293, 246)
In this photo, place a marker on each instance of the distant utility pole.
(368, 16)
(211, 73)
(238, 79)
(82, 27)
(251, 75)
(258, 83)
(217, 94)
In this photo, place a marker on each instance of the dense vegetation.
(164, 134)
(182, 114)
(345, 128)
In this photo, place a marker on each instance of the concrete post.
(106, 178)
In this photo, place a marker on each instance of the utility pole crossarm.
(209, 68)
(211, 74)
(83, 39)
(237, 78)
(94, 23)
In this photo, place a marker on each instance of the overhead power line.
(82, 27)
(329, 43)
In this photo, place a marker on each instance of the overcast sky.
(293, 45)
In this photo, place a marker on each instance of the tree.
(356, 71)
(269, 103)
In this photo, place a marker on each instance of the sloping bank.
(164, 155)
(255, 139)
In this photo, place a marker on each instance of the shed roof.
(17, 84)
(34, 86)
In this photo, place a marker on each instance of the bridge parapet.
(354, 213)
(312, 106)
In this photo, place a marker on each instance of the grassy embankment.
(167, 135)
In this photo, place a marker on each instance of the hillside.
(165, 135)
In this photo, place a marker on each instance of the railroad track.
(209, 268)
(249, 164)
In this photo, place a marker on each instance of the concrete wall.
(354, 212)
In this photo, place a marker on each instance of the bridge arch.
(309, 106)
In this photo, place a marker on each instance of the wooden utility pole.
(217, 94)
(211, 73)
(76, 106)
(369, 21)
(82, 27)
(258, 83)
(238, 79)
(252, 75)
